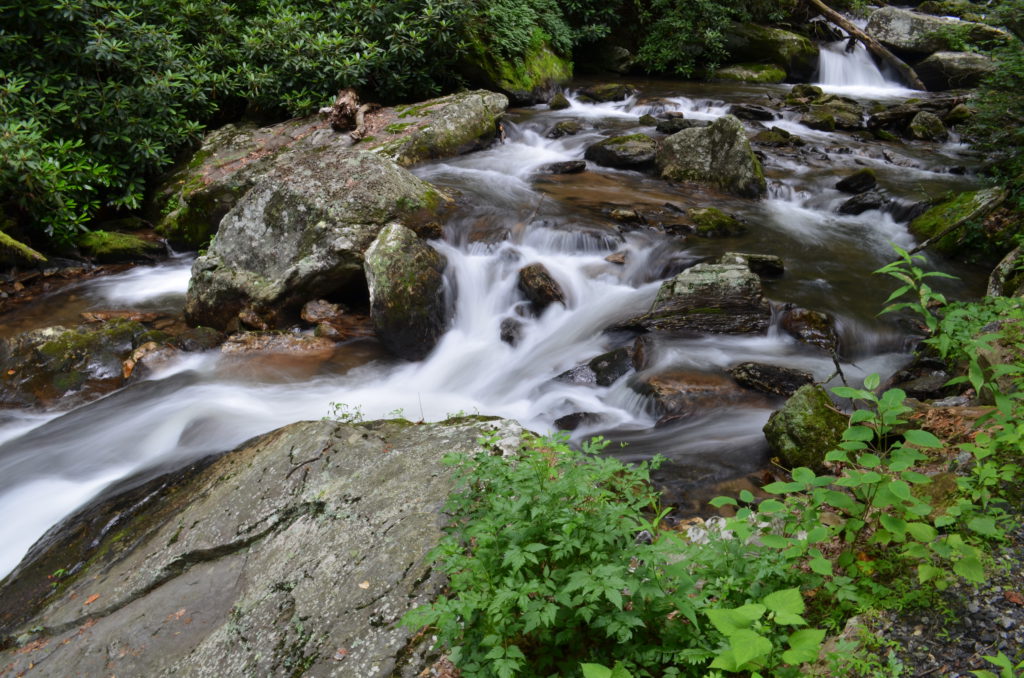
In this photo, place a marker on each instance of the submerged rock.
(765, 265)
(860, 181)
(634, 151)
(299, 550)
(758, 73)
(810, 327)
(43, 367)
(405, 277)
(772, 379)
(559, 102)
(565, 167)
(719, 155)
(712, 298)
(299, 235)
(862, 202)
(679, 394)
(610, 367)
(805, 429)
(711, 222)
(610, 91)
(565, 128)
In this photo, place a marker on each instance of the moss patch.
(112, 246)
(760, 73)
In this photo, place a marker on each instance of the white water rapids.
(51, 463)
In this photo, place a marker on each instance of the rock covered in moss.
(927, 126)
(559, 102)
(830, 112)
(810, 327)
(299, 235)
(758, 73)
(633, 151)
(407, 293)
(709, 298)
(296, 553)
(530, 78)
(805, 429)
(606, 91)
(565, 128)
(936, 218)
(711, 222)
(794, 53)
(109, 247)
(56, 364)
(719, 154)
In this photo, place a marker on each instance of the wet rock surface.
(296, 553)
(719, 154)
(712, 298)
(405, 277)
(539, 287)
(634, 151)
(912, 32)
(772, 379)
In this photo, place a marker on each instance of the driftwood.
(343, 113)
(360, 122)
(983, 209)
(875, 47)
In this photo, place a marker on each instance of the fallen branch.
(875, 47)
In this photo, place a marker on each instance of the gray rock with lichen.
(805, 429)
(719, 155)
(296, 554)
(299, 234)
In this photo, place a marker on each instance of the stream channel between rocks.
(513, 214)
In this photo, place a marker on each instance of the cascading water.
(853, 72)
(50, 463)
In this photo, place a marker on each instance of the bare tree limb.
(906, 72)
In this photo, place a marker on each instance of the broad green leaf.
(804, 645)
(915, 477)
(926, 573)
(802, 474)
(746, 496)
(921, 438)
(821, 566)
(900, 489)
(859, 433)
(984, 526)
(871, 381)
(782, 488)
(747, 646)
(787, 605)
(869, 460)
(719, 502)
(897, 526)
(774, 541)
(970, 568)
(922, 531)
(728, 621)
(596, 671)
(771, 506)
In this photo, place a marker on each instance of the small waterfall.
(853, 72)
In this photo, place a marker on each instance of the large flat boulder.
(295, 554)
(719, 154)
(299, 234)
(912, 32)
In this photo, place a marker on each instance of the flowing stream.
(513, 215)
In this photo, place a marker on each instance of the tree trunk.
(908, 74)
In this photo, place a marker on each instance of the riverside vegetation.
(560, 563)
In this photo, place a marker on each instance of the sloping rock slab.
(293, 555)
(954, 70)
(709, 298)
(299, 235)
(907, 31)
(450, 125)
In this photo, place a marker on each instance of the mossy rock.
(805, 429)
(756, 73)
(794, 53)
(528, 79)
(803, 93)
(719, 154)
(607, 91)
(938, 217)
(633, 151)
(711, 222)
(111, 247)
(559, 102)
(928, 127)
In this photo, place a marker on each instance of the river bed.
(510, 215)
